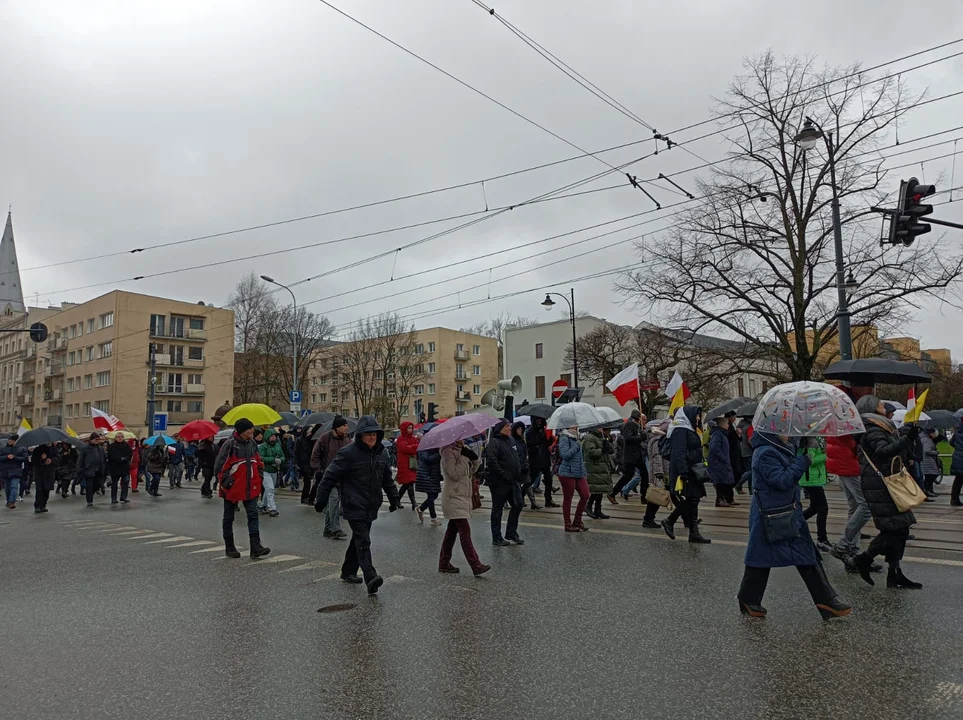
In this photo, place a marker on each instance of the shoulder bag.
(903, 488)
(779, 523)
(412, 462)
(656, 493)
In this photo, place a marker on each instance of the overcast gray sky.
(128, 123)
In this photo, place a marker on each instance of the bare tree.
(256, 368)
(755, 260)
(303, 330)
(494, 327)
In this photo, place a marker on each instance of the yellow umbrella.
(128, 435)
(257, 413)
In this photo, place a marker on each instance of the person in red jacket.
(843, 462)
(407, 446)
(239, 470)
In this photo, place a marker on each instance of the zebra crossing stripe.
(129, 532)
(217, 548)
(115, 529)
(196, 543)
(277, 559)
(310, 566)
(178, 538)
(99, 526)
(150, 535)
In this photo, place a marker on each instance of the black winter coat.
(13, 467)
(502, 466)
(685, 454)
(956, 462)
(881, 444)
(91, 462)
(428, 478)
(633, 439)
(362, 474)
(536, 441)
(44, 473)
(119, 455)
(206, 455)
(521, 447)
(735, 453)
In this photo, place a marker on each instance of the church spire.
(11, 292)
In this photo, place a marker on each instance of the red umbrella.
(198, 430)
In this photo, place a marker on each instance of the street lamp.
(548, 304)
(807, 139)
(294, 301)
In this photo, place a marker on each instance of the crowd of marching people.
(346, 472)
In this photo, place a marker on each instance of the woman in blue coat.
(720, 461)
(776, 470)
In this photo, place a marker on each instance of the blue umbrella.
(166, 439)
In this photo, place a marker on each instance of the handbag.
(903, 488)
(700, 473)
(658, 495)
(476, 501)
(779, 524)
(412, 462)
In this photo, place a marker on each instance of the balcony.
(55, 369)
(196, 334)
(178, 334)
(194, 389)
(57, 395)
(462, 377)
(29, 374)
(57, 344)
(31, 351)
(55, 420)
(193, 363)
(462, 396)
(462, 355)
(167, 361)
(25, 399)
(48, 395)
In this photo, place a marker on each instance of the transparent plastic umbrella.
(899, 415)
(575, 414)
(807, 409)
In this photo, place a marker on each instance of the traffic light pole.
(842, 315)
(945, 223)
(152, 381)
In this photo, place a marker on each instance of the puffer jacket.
(238, 459)
(815, 475)
(931, 456)
(502, 467)
(956, 462)
(13, 467)
(429, 472)
(881, 444)
(457, 467)
(407, 448)
(656, 461)
(536, 440)
(597, 452)
(272, 453)
(521, 447)
(633, 439)
(157, 459)
(573, 460)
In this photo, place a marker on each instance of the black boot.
(864, 566)
(697, 537)
(531, 499)
(756, 611)
(257, 549)
(896, 579)
(229, 548)
(833, 609)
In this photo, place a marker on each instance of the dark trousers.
(227, 522)
(628, 472)
(746, 478)
(955, 490)
(502, 494)
(546, 474)
(819, 507)
(42, 495)
(121, 478)
(429, 505)
(309, 491)
(153, 482)
(755, 579)
(891, 544)
(928, 482)
(595, 503)
(91, 486)
(358, 554)
(462, 530)
(688, 510)
(208, 474)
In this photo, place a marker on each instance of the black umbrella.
(352, 424)
(42, 436)
(728, 406)
(748, 410)
(958, 414)
(868, 371)
(287, 418)
(318, 418)
(537, 410)
(939, 420)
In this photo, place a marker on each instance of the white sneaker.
(435, 521)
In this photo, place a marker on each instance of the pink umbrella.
(457, 428)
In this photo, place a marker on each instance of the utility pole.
(152, 380)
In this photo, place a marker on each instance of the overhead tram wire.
(461, 185)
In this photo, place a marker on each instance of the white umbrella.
(576, 414)
(900, 414)
(807, 409)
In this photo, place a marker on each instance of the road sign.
(305, 412)
(160, 422)
(558, 387)
(38, 332)
(295, 397)
(296, 407)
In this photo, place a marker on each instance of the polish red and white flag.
(104, 421)
(911, 400)
(625, 385)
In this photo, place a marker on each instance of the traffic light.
(904, 225)
(432, 412)
(38, 332)
(421, 418)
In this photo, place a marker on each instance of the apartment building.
(98, 356)
(449, 368)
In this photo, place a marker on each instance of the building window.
(460, 347)
(106, 320)
(431, 368)
(195, 353)
(197, 323)
(742, 387)
(431, 388)
(103, 378)
(476, 389)
(175, 382)
(323, 397)
(90, 325)
(476, 369)
(103, 405)
(80, 329)
(567, 378)
(195, 379)
(419, 389)
(173, 406)
(72, 332)
(157, 325)
(88, 383)
(538, 355)
(539, 384)
(460, 388)
(106, 349)
(419, 407)
(70, 385)
(476, 350)
(70, 358)
(86, 410)
(378, 375)
(90, 354)
(195, 406)
(377, 392)
(419, 349)
(431, 347)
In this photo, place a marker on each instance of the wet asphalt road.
(117, 612)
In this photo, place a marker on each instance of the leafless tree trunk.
(755, 260)
(493, 328)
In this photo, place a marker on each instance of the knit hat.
(243, 425)
(499, 426)
(338, 422)
(636, 415)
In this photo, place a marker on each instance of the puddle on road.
(340, 607)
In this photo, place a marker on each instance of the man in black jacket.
(119, 454)
(503, 475)
(92, 466)
(361, 472)
(633, 459)
(539, 459)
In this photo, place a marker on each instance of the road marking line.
(98, 526)
(277, 559)
(934, 561)
(219, 547)
(179, 538)
(151, 535)
(193, 544)
(946, 695)
(130, 532)
(310, 566)
(395, 579)
(76, 524)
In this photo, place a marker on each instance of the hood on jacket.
(684, 418)
(691, 412)
(716, 428)
(867, 404)
(368, 424)
(403, 427)
(516, 427)
(269, 433)
(761, 439)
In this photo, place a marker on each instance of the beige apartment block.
(458, 368)
(98, 352)
(15, 349)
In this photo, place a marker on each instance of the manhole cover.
(341, 607)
